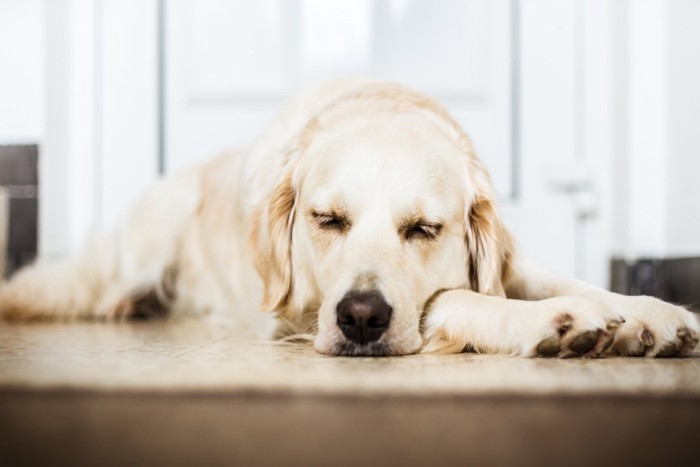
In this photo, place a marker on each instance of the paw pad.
(584, 342)
(647, 338)
(668, 351)
(572, 342)
(688, 339)
(549, 347)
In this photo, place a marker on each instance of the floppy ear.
(271, 240)
(490, 248)
(489, 243)
(271, 234)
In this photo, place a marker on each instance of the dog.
(362, 219)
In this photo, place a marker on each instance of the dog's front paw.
(572, 327)
(654, 328)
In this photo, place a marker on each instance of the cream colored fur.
(239, 237)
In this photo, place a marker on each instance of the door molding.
(101, 145)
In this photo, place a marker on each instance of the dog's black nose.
(363, 316)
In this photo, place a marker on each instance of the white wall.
(67, 164)
(657, 71)
(683, 110)
(22, 74)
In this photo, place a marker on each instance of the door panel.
(542, 218)
(231, 63)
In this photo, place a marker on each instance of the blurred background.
(585, 111)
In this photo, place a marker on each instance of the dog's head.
(377, 210)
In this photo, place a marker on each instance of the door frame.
(102, 145)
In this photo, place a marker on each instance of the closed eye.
(331, 221)
(421, 231)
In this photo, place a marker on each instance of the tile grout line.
(187, 352)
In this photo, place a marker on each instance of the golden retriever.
(363, 218)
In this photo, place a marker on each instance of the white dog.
(362, 217)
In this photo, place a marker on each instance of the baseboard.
(4, 225)
(675, 280)
(19, 179)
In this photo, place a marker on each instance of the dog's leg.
(59, 290)
(127, 273)
(652, 328)
(461, 320)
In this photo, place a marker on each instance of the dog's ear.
(271, 238)
(271, 234)
(490, 248)
(489, 243)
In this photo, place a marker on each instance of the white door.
(504, 69)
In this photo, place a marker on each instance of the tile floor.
(195, 356)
